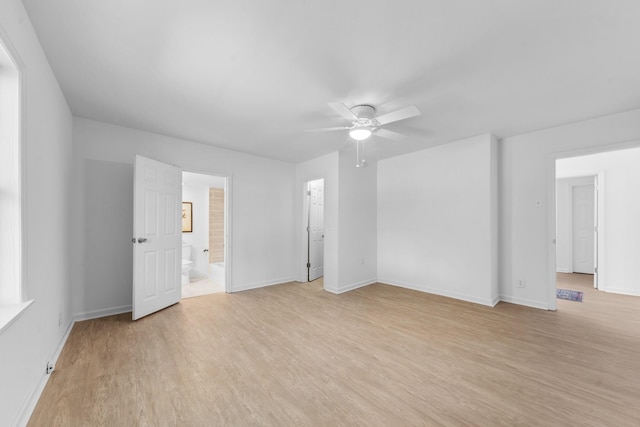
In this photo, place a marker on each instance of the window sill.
(9, 313)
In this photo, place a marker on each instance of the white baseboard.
(632, 292)
(542, 305)
(442, 292)
(95, 314)
(495, 301)
(30, 404)
(563, 270)
(262, 284)
(63, 341)
(350, 287)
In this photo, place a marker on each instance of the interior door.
(157, 208)
(316, 229)
(583, 229)
(595, 232)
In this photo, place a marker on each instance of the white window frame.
(13, 295)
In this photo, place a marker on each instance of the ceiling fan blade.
(401, 114)
(328, 129)
(384, 133)
(342, 109)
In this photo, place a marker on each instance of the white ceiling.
(252, 75)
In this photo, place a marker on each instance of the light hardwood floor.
(294, 354)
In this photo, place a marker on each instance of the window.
(12, 299)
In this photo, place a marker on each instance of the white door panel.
(595, 234)
(158, 236)
(316, 229)
(583, 229)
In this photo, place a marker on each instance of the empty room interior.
(319, 213)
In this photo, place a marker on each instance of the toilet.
(187, 264)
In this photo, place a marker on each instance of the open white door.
(316, 229)
(595, 232)
(157, 242)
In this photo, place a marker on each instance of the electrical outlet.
(50, 367)
(520, 283)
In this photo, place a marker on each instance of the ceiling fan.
(364, 122)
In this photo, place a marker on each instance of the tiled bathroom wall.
(216, 225)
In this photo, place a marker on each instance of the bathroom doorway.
(204, 234)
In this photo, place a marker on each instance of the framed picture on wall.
(187, 217)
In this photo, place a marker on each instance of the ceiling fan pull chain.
(360, 160)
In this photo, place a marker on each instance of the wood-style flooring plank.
(294, 354)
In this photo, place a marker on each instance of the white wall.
(618, 265)
(437, 224)
(349, 220)
(33, 339)
(357, 223)
(101, 250)
(199, 238)
(527, 205)
(262, 244)
(325, 167)
(564, 220)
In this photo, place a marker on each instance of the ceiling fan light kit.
(360, 134)
(364, 123)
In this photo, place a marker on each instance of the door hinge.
(595, 269)
(308, 265)
(307, 228)
(596, 228)
(308, 192)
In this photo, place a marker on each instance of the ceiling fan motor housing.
(363, 111)
(365, 114)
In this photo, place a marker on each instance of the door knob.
(141, 239)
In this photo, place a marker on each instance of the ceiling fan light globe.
(360, 134)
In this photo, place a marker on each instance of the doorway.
(314, 207)
(606, 184)
(576, 225)
(204, 234)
